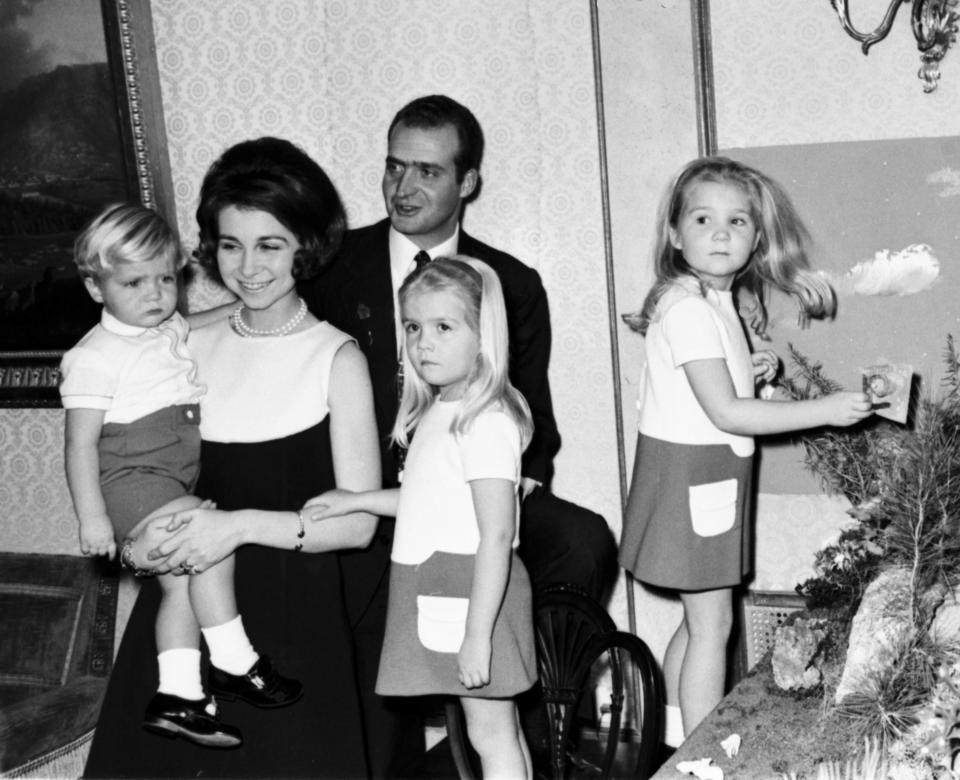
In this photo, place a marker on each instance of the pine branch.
(951, 379)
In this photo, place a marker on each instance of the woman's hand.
(333, 503)
(765, 365)
(142, 540)
(474, 662)
(199, 538)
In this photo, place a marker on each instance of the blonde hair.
(779, 261)
(124, 233)
(478, 288)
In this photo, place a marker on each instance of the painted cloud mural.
(907, 272)
(950, 178)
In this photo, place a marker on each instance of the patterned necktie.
(421, 259)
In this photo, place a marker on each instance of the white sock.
(180, 673)
(230, 649)
(673, 730)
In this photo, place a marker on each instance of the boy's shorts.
(147, 463)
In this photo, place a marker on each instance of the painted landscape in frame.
(80, 127)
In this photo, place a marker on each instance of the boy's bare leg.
(176, 626)
(212, 595)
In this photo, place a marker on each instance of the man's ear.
(93, 288)
(469, 183)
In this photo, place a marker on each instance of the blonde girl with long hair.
(724, 230)
(459, 619)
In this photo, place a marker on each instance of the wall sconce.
(935, 24)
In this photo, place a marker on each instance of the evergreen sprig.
(851, 462)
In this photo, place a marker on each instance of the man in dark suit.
(432, 168)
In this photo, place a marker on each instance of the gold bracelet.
(301, 533)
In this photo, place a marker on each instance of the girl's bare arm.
(713, 387)
(495, 506)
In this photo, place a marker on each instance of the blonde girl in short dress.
(460, 618)
(724, 230)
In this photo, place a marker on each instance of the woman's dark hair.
(278, 177)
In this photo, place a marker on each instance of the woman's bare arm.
(201, 537)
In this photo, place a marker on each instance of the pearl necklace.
(241, 327)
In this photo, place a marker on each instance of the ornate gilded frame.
(30, 378)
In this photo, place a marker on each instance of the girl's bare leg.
(672, 665)
(494, 731)
(527, 758)
(708, 616)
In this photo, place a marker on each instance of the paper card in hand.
(888, 386)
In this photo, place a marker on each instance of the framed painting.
(82, 126)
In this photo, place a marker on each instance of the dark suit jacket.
(355, 294)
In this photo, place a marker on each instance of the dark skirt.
(428, 605)
(687, 522)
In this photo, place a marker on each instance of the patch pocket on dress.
(442, 622)
(713, 507)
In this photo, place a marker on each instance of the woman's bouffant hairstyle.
(478, 288)
(278, 177)
(779, 261)
(125, 233)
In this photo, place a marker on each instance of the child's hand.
(765, 365)
(333, 503)
(846, 408)
(474, 662)
(96, 536)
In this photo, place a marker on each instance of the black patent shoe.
(262, 686)
(196, 721)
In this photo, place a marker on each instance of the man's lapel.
(369, 293)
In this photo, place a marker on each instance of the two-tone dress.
(687, 521)
(266, 444)
(432, 562)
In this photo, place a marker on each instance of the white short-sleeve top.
(129, 371)
(690, 326)
(435, 510)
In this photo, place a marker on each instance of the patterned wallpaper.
(34, 501)
(785, 72)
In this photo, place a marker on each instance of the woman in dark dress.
(288, 414)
